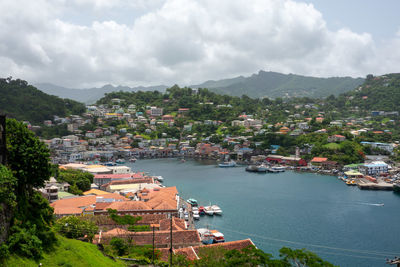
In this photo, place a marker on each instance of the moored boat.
(201, 210)
(218, 236)
(252, 168)
(217, 210)
(227, 164)
(208, 210)
(132, 159)
(159, 178)
(192, 201)
(120, 161)
(206, 236)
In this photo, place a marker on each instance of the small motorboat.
(227, 164)
(132, 159)
(120, 161)
(206, 236)
(208, 210)
(196, 215)
(202, 210)
(159, 178)
(217, 236)
(192, 201)
(217, 210)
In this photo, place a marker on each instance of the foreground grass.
(68, 252)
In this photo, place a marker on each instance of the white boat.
(227, 164)
(196, 215)
(262, 168)
(159, 178)
(217, 210)
(277, 169)
(208, 210)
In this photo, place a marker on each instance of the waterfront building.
(374, 168)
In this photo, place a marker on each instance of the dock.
(364, 184)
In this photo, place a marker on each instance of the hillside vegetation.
(273, 84)
(24, 102)
(381, 93)
(67, 252)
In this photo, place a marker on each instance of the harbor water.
(340, 223)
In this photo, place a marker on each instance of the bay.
(298, 210)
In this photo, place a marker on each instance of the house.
(317, 161)
(336, 138)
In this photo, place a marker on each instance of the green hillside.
(273, 84)
(68, 252)
(24, 102)
(380, 93)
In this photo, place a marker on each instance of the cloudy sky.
(84, 43)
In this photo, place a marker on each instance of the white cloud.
(181, 41)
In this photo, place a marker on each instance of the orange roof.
(95, 192)
(318, 159)
(128, 205)
(68, 205)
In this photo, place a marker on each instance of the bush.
(74, 227)
(119, 246)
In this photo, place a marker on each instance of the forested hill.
(377, 93)
(91, 95)
(24, 102)
(273, 84)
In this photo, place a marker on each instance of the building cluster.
(118, 189)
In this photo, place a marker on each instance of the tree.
(79, 180)
(28, 157)
(302, 258)
(74, 227)
(119, 246)
(28, 160)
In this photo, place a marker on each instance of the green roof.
(354, 165)
(62, 195)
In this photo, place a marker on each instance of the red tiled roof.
(177, 224)
(127, 206)
(67, 205)
(160, 237)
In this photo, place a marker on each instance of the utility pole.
(170, 237)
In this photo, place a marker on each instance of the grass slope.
(69, 252)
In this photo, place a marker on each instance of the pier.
(364, 184)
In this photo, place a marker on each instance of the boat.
(217, 210)
(183, 160)
(208, 210)
(201, 210)
(262, 168)
(120, 161)
(192, 201)
(132, 159)
(227, 164)
(206, 236)
(276, 169)
(196, 215)
(110, 163)
(252, 168)
(218, 237)
(159, 178)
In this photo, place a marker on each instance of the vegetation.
(252, 256)
(68, 253)
(76, 227)
(30, 229)
(272, 84)
(79, 181)
(24, 102)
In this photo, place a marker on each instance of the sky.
(87, 43)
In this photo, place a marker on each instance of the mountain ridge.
(262, 84)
